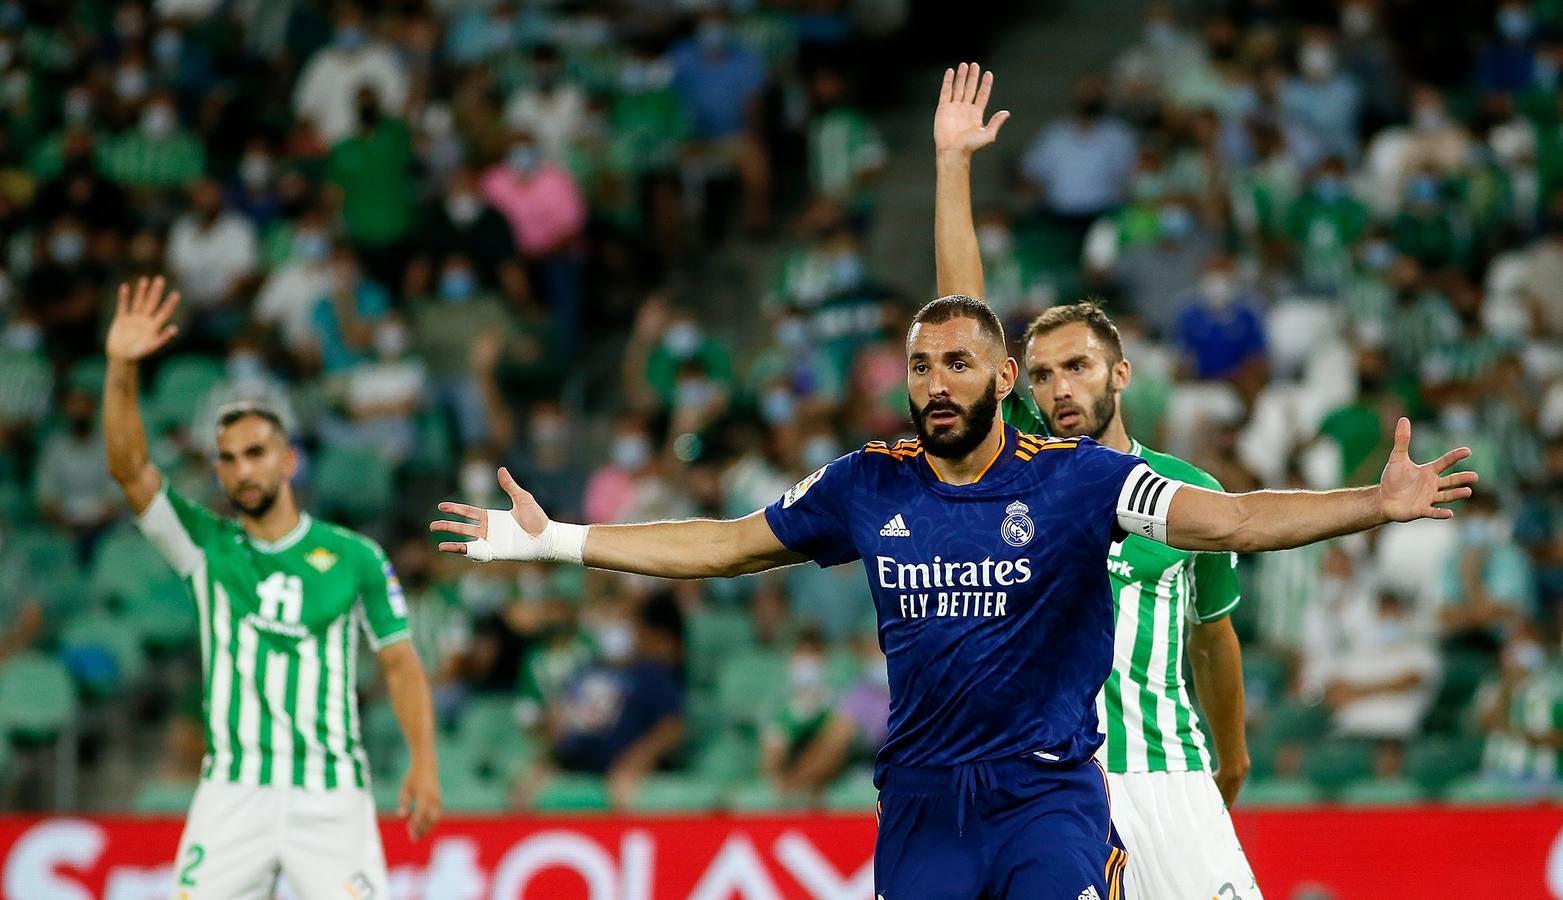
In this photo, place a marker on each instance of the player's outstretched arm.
(692, 548)
(1278, 520)
(958, 132)
(140, 328)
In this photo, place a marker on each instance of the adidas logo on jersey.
(896, 527)
(1089, 894)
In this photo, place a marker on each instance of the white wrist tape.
(507, 540)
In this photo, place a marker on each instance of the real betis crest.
(322, 559)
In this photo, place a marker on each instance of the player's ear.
(1122, 373)
(1009, 373)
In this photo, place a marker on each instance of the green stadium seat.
(1463, 673)
(434, 451)
(162, 796)
(1478, 790)
(732, 759)
(854, 792)
(353, 483)
(1280, 792)
(1293, 721)
(16, 505)
(676, 793)
(1382, 792)
(98, 631)
(124, 564)
(475, 795)
(383, 737)
(88, 374)
(756, 797)
(1436, 762)
(1265, 675)
(163, 614)
(751, 685)
(38, 551)
(713, 636)
(569, 793)
(1333, 764)
(499, 747)
(37, 697)
(842, 669)
(29, 383)
(182, 384)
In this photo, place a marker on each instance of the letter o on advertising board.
(555, 849)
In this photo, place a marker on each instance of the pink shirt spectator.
(544, 211)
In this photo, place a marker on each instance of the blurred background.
(657, 257)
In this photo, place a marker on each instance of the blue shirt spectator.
(1324, 101)
(345, 330)
(1508, 63)
(719, 80)
(1082, 164)
(1220, 329)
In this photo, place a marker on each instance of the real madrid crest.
(1017, 529)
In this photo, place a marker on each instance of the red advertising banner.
(1427, 852)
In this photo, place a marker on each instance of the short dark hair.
(231, 413)
(1090, 313)
(960, 306)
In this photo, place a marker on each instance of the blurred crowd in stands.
(442, 236)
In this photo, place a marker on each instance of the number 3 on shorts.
(195, 855)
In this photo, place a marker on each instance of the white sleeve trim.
(162, 527)
(1144, 501)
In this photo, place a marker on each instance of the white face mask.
(477, 481)
(1317, 61)
(616, 640)
(631, 451)
(806, 673)
(1219, 288)
(1390, 632)
(158, 121)
(682, 339)
(255, 170)
(390, 341)
(463, 209)
(130, 83)
(818, 451)
(1356, 19)
(994, 240)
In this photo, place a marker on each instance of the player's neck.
(970, 467)
(1116, 436)
(276, 523)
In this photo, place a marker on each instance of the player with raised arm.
(985, 550)
(1168, 805)
(280, 598)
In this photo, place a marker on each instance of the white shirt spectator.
(1387, 649)
(554, 119)
(287, 300)
(185, 9)
(327, 91)
(208, 261)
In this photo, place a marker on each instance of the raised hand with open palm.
(963, 101)
(1410, 491)
(142, 321)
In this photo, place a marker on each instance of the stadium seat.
(755, 797)
(37, 697)
(731, 759)
(162, 796)
(88, 374)
(1280, 792)
(712, 636)
(352, 483)
(568, 792)
(475, 795)
(1293, 721)
(40, 551)
(1335, 763)
(751, 685)
(182, 384)
(676, 793)
(1264, 676)
(1436, 762)
(1480, 790)
(499, 747)
(1463, 673)
(124, 563)
(854, 792)
(29, 383)
(163, 614)
(98, 632)
(382, 737)
(1381, 792)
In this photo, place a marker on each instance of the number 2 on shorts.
(195, 855)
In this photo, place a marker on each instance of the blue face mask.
(523, 159)
(1423, 190)
(456, 286)
(1176, 222)
(310, 246)
(848, 271)
(351, 37)
(1329, 188)
(1514, 23)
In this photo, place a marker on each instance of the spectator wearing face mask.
(550, 107)
(459, 220)
(803, 746)
(1150, 274)
(624, 717)
(1508, 61)
(845, 150)
(721, 82)
(212, 254)
(1437, 144)
(550, 460)
(372, 168)
(1487, 589)
(344, 319)
(547, 218)
(629, 480)
(287, 298)
(254, 191)
(383, 394)
(1322, 99)
(157, 152)
(330, 84)
(1324, 223)
(1081, 165)
(1382, 682)
(73, 489)
(674, 349)
(1220, 328)
(1521, 711)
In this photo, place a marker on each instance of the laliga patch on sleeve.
(801, 488)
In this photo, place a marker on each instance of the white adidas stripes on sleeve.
(1144, 501)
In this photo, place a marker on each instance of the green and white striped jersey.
(1144, 707)
(1535, 712)
(278, 624)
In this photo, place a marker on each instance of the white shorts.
(1180, 838)
(237, 839)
